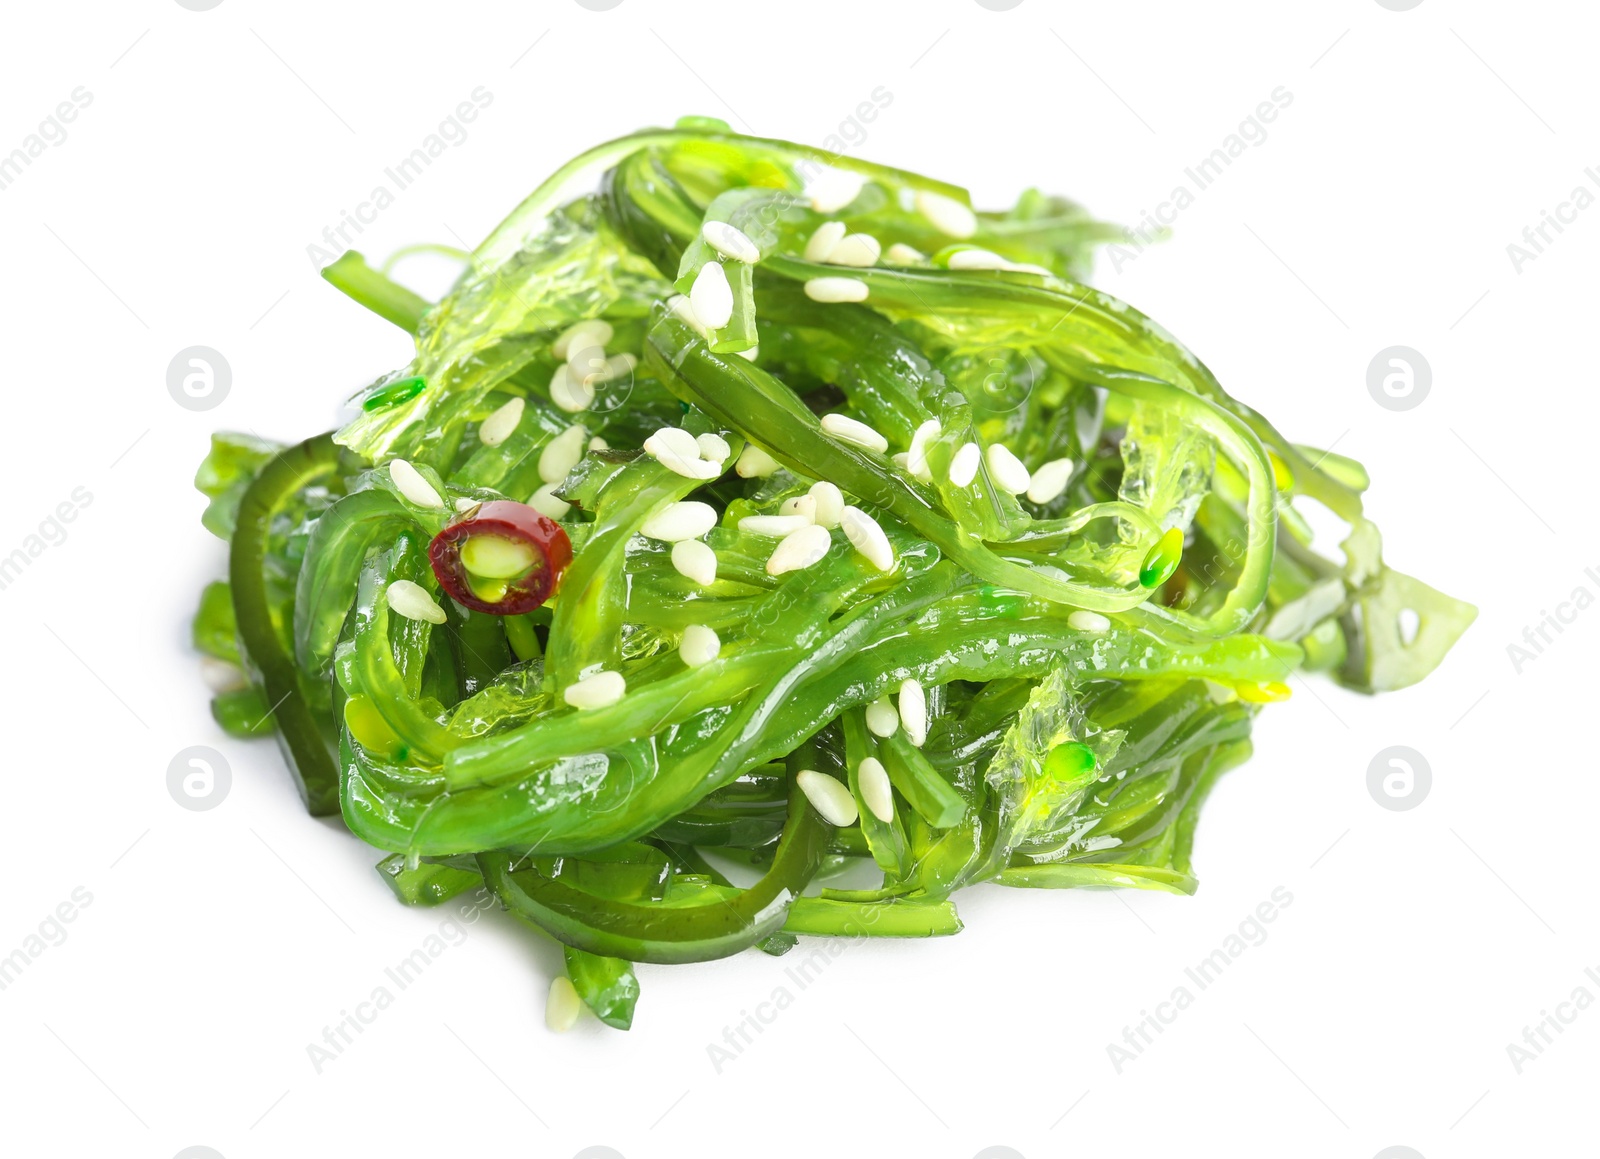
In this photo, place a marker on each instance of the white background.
(179, 1007)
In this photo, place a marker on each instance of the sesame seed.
(856, 249)
(899, 459)
(849, 430)
(964, 467)
(1008, 471)
(1050, 480)
(913, 705)
(221, 676)
(1029, 268)
(497, 428)
(774, 526)
(617, 366)
(1083, 621)
(678, 521)
(867, 537)
(800, 505)
(836, 290)
(587, 364)
(800, 549)
(412, 601)
(466, 503)
(749, 355)
(409, 481)
(917, 456)
(712, 297)
(699, 645)
(545, 502)
(946, 214)
(830, 189)
(827, 503)
(882, 719)
(597, 690)
(599, 444)
(901, 254)
(977, 259)
(562, 1006)
(592, 332)
(570, 394)
(828, 797)
(713, 447)
(754, 463)
(695, 560)
(730, 242)
(678, 451)
(684, 312)
(675, 440)
(873, 780)
(561, 454)
(828, 235)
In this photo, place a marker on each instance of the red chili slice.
(516, 558)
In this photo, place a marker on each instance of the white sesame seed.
(913, 705)
(830, 189)
(749, 355)
(828, 235)
(799, 549)
(221, 676)
(1008, 471)
(828, 797)
(497, 428)
(570, 394)
(561, 454)
(712, 297)
(684, 312)
(754, 463)
(675, 440)
(545, 502)
(730, 242)
(836, 290)
(466, 503)
(1029, 268)
(901, 254)
(1050, 480)
(774, 526)
(964, 467)
(849, 430)
(856, 249)
(695, 560)
(599, 444)
(617, 366)
(591, 332)
(899, 459)
(586, 364)
(688, 519)
(562, 1006)
(946, 214)
(827, 503)
(412, 485)
(713, 447)
(977, 259)
(678, 451)
(882, 719)
(699, 645)
(917, 456)
(1083, 621)
(873, 780)
(413, 602)
(598, 690)
(800, 505)
(867, 537)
